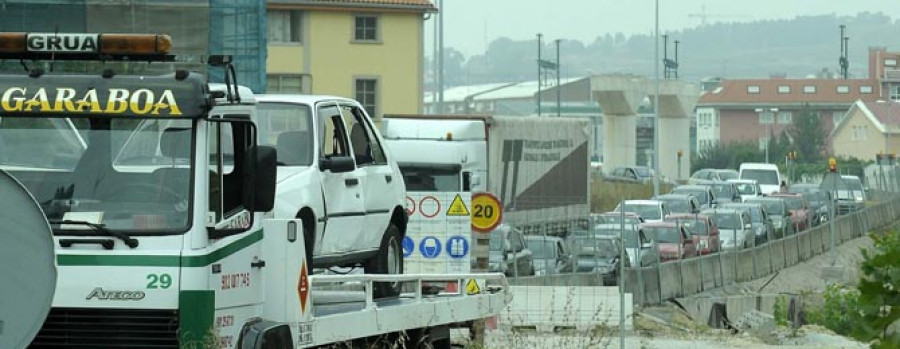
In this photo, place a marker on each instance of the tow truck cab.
(155, 189)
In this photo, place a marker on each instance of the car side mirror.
(337, 164)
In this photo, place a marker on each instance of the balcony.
(891, 75)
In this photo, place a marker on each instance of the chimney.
(875, 68)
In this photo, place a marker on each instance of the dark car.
(759, 219)
(799, 209)
(725, 191)
(508, 253)
(599, 254)
(778, 214)
(679, 203)
(711, 174)
(817, 199)
(848, 193)
(551, 254)
(636, 173)
(704, 194)
(705, 231)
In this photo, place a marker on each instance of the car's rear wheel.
(389, 260)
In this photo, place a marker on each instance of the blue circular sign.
(457, 247)
(430, 247)
(408, 246)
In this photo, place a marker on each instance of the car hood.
(667, 247)
(730, 234)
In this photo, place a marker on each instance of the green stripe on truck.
(159, 261)
(196, 310)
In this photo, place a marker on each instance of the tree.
(729, 155)
(809, 136)
(879, 292)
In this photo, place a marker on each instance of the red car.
(799, 208)
(705, 231)
(673, 241)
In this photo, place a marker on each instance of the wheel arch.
(400, 219)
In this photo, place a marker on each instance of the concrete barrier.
(803, 245)
(710, 271)
(691, 280)
(762, 260)
(744, 265)
(728, 259)
(670, 280)
(547, 308)
(790, 250)
(776, 249)
(651, 285)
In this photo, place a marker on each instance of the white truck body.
(537, 167)
(164, 226)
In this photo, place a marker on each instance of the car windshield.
(288, 128)
(664, 234)
(617, 219)
(723, 190)
(128, 174)
(773, 207)
(701, 195)
(767, 177)
(696, 226)
(542, 248)
(726, 175)
(728, 221)
(594, 247)
(793, 203)
(648, 211)
(677, 205)
(746, 188)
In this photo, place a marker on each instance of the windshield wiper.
(101, 228)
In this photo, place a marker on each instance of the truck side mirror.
(337, 164)
(262, 160)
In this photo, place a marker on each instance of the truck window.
(430, 178)
(43, 143)
(228, 145)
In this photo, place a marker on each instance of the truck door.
(343, 192)
(380, 179)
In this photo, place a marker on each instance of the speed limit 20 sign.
(487, 212)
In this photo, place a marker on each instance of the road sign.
(458, 207)
(429, 206)
(408, 246)
(457, 247)
(487, 212)
(410, 206)
(430, 247)
(472, 287)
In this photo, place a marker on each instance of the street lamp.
(768, 124)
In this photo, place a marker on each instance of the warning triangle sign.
(472, 287)
(458, 207)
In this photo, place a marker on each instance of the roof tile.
(826, 91)
(424, 4)
(887, 113)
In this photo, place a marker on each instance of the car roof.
(675, 196)
(688, 215)
(659, 225)
(642, 202)
(692, 187)
(804, 185)
(721, 210)
(301, 98)
(740, 205)
(765, 198)
(543, 237)
(736, 180)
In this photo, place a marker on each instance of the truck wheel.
(389, 260)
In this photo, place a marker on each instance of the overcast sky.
(472, 24)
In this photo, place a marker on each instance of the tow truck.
(158, 202)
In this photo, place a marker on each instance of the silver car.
(735, 228)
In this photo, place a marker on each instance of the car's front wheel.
(389, 260)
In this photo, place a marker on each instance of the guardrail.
(654, 284)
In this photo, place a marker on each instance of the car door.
(381, 184)
(343, 191)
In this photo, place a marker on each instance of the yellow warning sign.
(472, 287)
(458, 207)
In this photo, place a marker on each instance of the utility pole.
(558, 65)
(844, 61)
(539, 74)
(676, 59)
(656, 108)
(441, 57)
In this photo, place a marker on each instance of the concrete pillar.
(619, 96)
(676, 105)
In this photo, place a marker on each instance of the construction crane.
(704, 16)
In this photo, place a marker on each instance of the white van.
(766, 175)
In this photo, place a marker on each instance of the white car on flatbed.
(334, 174)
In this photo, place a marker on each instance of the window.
(334, 139)
(843, 89)
(865, 89)
(895, 92)
(278, 83)
(288, 128)
(837, 116)
(785, 117)
(366, 94)
(766, 117)
(753, 89)
(809, 89)
(860, 133)
(890, 62)
(762, 143)
(283, 26)
(783, 89)
(228, 145)
(366, 148)
(365, 28)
